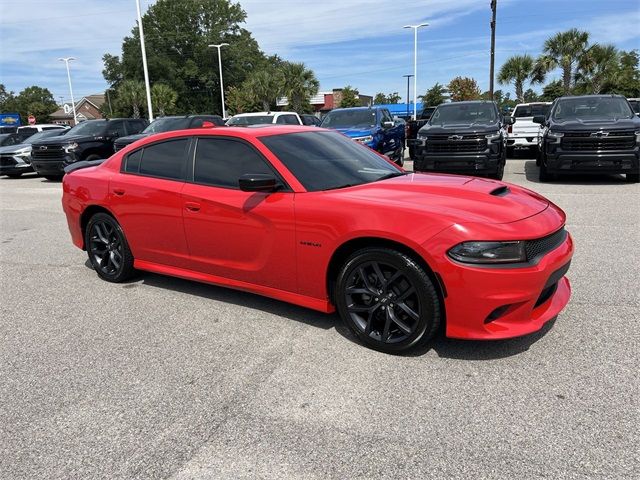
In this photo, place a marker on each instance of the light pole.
(219, 46)
(415, 66)
(66, 61)
(408, 79)
(144, 62)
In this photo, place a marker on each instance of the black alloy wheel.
(387, 300)
(107, 249)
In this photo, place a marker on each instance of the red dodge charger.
(307, 216)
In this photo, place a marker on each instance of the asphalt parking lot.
(165, 378)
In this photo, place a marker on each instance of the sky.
(346, 42)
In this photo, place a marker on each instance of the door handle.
(118, 191)
(192, 206)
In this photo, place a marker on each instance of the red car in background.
(307, 216)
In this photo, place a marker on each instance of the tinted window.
(363, 117)
(117, 128)
(464, 113)
(328, 160)
(133, 161)
(135, 127)
(8, 140)
(89, 127)
(592, 107)
(166, 124)
(288, 120)
(386, 116)
(221, 162)
(52, 128)
(164, 159)
(531, 110)
(250, 120)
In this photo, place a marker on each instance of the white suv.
(262, 118)
(523, 134)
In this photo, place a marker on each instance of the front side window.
(221, 162)
(163, 160)
(328, 160)
(116, 129)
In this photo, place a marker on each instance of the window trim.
(183, 171)
(190, 177)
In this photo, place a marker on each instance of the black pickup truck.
(463, 137)
(589, 134)
(90, 140)
(414, 125)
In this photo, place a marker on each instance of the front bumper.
(53, 165)
(612, 161)
(10, 164)
(482, 162)
(497, 302)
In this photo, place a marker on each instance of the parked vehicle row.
(16, 159)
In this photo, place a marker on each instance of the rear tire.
(108, 249)
(387, 300)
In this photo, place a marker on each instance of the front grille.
(7, 161)
(583, 141)
(51, 152)
(465, 143)
(541, 246)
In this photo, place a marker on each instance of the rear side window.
(163, 160)
(221, 162)
(288, 120)
(135, 127)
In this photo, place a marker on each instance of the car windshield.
(531, 111)
(40, 135)
(467, 113)
(250, 120)
(167, 124)
(93, 127)
(328, 160)
(365, 118)
(590, 108)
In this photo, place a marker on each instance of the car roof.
(372, 107)
(258, 114)
(44, 125)
(532, 103)
(611, 95)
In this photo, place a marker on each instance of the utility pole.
(415, 66)
(408, 101)
(144, 63)
(66, 60)
(494, 4)
(219, 46)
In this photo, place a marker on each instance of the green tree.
(163, 99)
(626, 80)
(597, 67)
(564, 50)
(7, 99)
(463, 88)
(393, 98)
(552, 90)
(299, 83)
(519, 69)
(177, 35)
(132, 96)
(530, 96)
(264, 87)
(380, 99)
(34, 100)
(349, 97)
(434, 96)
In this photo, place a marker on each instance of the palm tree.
(299, 84)
(163, 99)
(265, 86)
(596, 67)
(519, 69)
(563, 50)
(131, 93)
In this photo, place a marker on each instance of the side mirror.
(257, 182)
(539, 119)
(387, 124)
(509, 120)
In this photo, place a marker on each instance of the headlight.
(422, 136)
(366, 139)
(494, 136)
(489, 252)
(70, 147)
(554, 137)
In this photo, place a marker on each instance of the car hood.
(459, 128)
(66, 139)
(596, 124)
(15, 148)
(132, 138)
(460, 199)
(355, 132)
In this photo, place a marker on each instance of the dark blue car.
(371, 126)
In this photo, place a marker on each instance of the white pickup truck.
(523, 134)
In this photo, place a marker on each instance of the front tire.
(633, 177)
(108, 249)
(387, 300)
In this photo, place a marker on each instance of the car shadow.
(442, 346)
(532, 174)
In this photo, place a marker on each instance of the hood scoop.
(500, 191)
